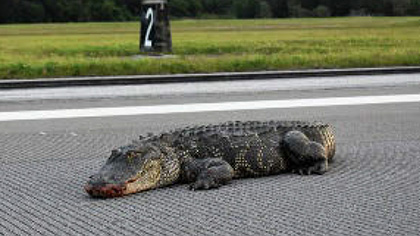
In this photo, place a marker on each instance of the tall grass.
(55, 50)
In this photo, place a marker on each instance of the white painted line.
(205, 107)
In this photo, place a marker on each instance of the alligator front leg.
(307, 157)
(207, 173)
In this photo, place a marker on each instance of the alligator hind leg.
(207, 173)
(307, 157)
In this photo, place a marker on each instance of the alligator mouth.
(118, 190)
(105, 191)
(108, 190)
(148, 178)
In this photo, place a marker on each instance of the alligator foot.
(318, 168)
(204, 184)
(307, 157)
(208, 173)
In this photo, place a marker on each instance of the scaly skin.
(210, 156)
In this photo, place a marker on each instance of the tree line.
(26, 11)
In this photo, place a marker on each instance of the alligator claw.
(204, 184)
(303, 171)
(318, 168)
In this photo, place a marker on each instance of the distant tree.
(185, 8)
(133, 6)
(219, 7)
(29, 11)
(341, 7)
(194, 8)
(7, 9)
(106, 10)
(400, 7)
(299, 11)
(414, 8)
(179, 8)
(309, 4)
(265, 10)
(322, 11)
(246, 8)
(120, 10)
(279, 8)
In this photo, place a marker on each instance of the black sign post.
(155, 33)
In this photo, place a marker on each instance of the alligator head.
(133, 169)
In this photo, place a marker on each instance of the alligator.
(209, 156)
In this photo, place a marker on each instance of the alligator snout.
(106, 191)
(98, 187)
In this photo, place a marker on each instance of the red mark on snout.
(105, 191)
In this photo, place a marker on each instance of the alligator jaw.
(147, 178)
(105, 191)
(115, 190)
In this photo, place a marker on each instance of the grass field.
(56, 50)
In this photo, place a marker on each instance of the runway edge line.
(205, 107)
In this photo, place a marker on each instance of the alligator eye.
(132, 154)
(115, 152)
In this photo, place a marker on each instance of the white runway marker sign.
(155, 33)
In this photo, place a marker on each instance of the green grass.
(55, 50)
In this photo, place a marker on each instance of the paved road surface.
(372, 188)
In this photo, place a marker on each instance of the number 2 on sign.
(149, 15)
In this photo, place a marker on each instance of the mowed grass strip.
(84, 49)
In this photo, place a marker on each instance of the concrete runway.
(371, 189)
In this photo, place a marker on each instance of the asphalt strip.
(205, 107)
(183, 78)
